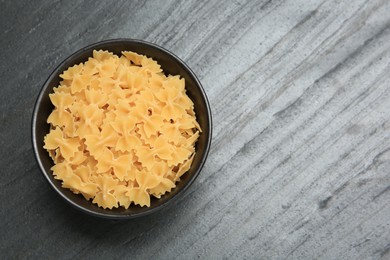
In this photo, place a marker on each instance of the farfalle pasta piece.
(60, 116)
(80, 82)
(184, 167)
(156, 82)
(61, 170)
(128, 139)
(108, 67)
(190, 142)
(161, 149)
(67, 146)
(185, 102)
(179, 154)
(146, 156)
(101, 55)
(104, 197)
(123, 125)
(120, 165)
(161, 170)
(151, 123)
(89, 188)
(107, 84)
(113, 97)
(171, 132)
(147, 140)
(91, 118)
(140, 195)
(135, 82)
(84, 172)
(121, 130)
(72, 71)
(96, 144)
(94, 96)
(61, 101)
(120, 192)
(133, 57)
(150, 65)
(165, 185)
(187, 122)
(72, 180)
(171, 109)
(91, 67)
(123, 107)
(62, 88)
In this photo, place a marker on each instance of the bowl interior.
(170, 65)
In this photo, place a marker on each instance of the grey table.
(300, 161)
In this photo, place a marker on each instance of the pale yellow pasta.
(121, 130)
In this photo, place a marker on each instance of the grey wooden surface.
(300, 161)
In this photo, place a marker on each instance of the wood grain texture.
(300, 161)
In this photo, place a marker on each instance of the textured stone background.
(300, 162)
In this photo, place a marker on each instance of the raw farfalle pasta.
(121, 130)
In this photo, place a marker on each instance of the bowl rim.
(111, 215)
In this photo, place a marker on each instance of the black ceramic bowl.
(170, 65)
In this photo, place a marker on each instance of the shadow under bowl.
(170, 65)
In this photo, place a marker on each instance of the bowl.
(170, 64)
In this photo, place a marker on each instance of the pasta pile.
(121, 131)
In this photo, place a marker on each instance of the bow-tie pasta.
(121, 130)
